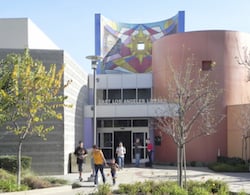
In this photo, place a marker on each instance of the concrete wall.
(13, 33)
(77, 94)
(122, 81)
(52, 156)
(22, 33)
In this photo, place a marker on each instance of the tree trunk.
(245, 141)
(19, 165)
(180, 165)
(185, 165)
(242, 148)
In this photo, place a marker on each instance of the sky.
(70, 23)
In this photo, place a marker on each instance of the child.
(113, 168)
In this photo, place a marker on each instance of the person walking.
(113, 169)
(149, 152)
(80, 153)
(99, 162)
(120, 151)
(137, 145)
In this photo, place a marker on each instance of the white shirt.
(120, 151)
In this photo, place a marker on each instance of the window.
(140, 123)
(122, 123)
(207, 65)
(107, 140)
(114, 94)
(108, 123)
(99, 123)
(144, 94)
(140, 46)
(129, 94)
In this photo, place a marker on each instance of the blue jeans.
(97, 168)
(120, 162)
(137, 159)
(113, 174)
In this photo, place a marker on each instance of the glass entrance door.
(125, 138)
(108, 140)
(142, 136)
(105, 141)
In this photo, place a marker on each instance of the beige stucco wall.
(235, 130)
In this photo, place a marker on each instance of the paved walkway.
(236, 181)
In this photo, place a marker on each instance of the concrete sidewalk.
(236, 181)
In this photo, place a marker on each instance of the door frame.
(102, 131)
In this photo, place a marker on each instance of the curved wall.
(221, 47)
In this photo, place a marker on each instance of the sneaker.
(80, 179)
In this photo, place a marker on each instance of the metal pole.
(94, 104)
(94, 61)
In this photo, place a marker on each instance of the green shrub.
(5, 175)
(196, 164)
(35, 182)
(160, 189)
(147, 187)
(230, 160)
(193, 184)
(29, 181)
(9, 163)
(242, 193)
(8, 182)
(215, 186)
(123, 188)
(131, 189)
(11, 186)
(199, 190)
(177, 190)
(134, 188)
(229, 164)
(56, 181)
(192, 163)
(223, 167)
(171, 188)
(168, 188)
(104, 189)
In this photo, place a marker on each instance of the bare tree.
(244, 60)
(195, 94)
(243, 123)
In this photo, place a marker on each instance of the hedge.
(9, 163)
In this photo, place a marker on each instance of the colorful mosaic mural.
(127, 48)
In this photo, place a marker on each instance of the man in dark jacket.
(81, 154)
